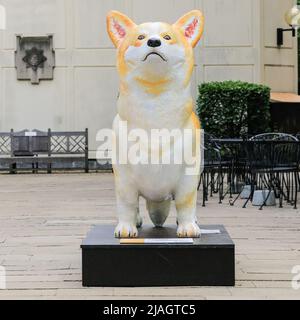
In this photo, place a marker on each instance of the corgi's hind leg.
(158, 211)
(139, 219)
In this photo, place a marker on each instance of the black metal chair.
(298, 137)
(286, 170)
(271, 163)
(210, 177)
(225, 161)
(233, 165)
(274, 165)
(285, 159)
(260, 166)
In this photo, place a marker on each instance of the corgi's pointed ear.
(191, 25)
(118, 25)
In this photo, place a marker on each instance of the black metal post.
(49, 163)
(86, 150)
(280, 32)
(12, 165)
(279, 37)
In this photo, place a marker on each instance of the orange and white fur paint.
(155, 63)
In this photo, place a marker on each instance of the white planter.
(260, 196)
(245, 194)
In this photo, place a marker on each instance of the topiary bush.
(234, 108)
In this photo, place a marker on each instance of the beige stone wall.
(279, 65)
(238, 43)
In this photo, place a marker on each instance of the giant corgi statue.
(155, 63)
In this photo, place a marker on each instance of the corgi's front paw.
(126, 230)
(188, 230)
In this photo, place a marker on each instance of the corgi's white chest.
(146, 112)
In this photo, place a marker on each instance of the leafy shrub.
(234, 108)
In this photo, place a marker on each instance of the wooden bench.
(36, 148)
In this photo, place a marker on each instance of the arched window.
(2, 18)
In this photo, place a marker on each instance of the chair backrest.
(279, 150)
(75, 142)
(274, 136)
(40, 142)
(270, 154)
(260, 154)
(286, 154)
(29, 143)
(211, 150)
(20, 143)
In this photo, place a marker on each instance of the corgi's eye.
(167, 37)
(141, 37)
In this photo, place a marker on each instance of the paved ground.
(43, 219)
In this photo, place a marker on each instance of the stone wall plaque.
(35, 58)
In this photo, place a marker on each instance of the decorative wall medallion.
(35, 58)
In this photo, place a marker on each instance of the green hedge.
(234, 108)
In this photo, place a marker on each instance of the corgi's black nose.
(154, 43)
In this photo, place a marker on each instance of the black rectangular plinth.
(209, 261)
